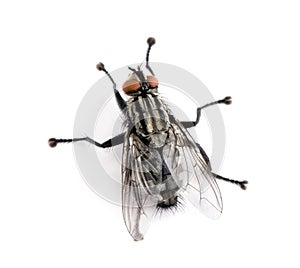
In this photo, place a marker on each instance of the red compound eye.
(152, 80)
(131, 85)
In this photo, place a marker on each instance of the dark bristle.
(176, 206)
(100, 66)
(52, 142)
(151, 41)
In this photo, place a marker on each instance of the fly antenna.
(132, 69)
(138, 73)
(100, 67)
(141, 64)
(151, 42)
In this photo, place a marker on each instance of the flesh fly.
(161, 162)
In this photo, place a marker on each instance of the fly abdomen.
(168, 203)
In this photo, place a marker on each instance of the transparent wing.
(141, 168)
(192, 172)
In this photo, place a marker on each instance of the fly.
(161, 162)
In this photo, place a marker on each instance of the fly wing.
(141, 173)
(192, 171)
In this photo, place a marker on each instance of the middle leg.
(107, 144)
(188, 124)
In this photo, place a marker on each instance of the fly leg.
(121, 102)
(151, 42)
(242, 184)
(111, 142)
(107, 144)
(188, 124)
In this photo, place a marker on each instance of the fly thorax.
(149, 115)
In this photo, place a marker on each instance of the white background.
(246, 49)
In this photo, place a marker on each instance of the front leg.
(107, 144)
(188, 124)
(120, 101)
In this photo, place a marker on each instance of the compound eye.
(131, 85)
(152, 80)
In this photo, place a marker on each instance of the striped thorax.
(147, 115)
